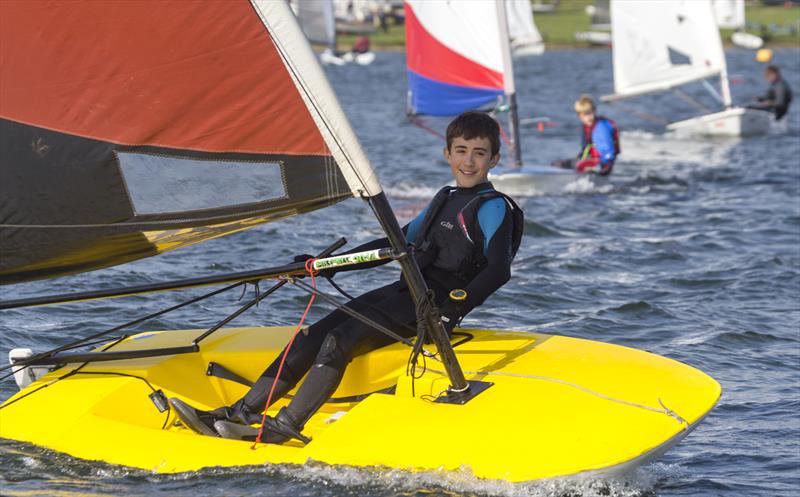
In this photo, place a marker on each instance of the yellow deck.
(559, 406)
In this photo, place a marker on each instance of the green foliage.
(559, 27)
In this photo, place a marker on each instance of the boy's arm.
(603, 139)
(410, 231)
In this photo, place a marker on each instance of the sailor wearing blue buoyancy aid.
(465, 239)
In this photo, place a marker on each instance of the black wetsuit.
(332, 342)
(777, 98)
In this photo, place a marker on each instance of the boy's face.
(470, 160)
(586, 117)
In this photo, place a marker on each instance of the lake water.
(691, 250)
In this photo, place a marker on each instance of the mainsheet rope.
(664, 409)
(313, 273)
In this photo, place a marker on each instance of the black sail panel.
(70, 204)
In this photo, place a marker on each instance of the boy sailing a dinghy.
(599, 141)
(464, 240)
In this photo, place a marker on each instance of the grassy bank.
(558, 28)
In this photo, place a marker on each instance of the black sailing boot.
(277, 430)
(239, 412)
(201, 422)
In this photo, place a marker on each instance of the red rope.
(418, 122)
(312, 272)
(504, 136)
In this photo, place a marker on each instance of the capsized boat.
(265, 128)
(661, 46)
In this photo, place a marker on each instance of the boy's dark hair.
(773, 69)
(474, 124)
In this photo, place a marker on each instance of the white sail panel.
(660, 45)
(525, 38)
(319, 97)
(317, 20)
(469, 29)
(729, 13)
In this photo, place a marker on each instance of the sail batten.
(158, 125)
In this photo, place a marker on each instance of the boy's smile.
(470, 160)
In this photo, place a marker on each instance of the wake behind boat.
(267, 131)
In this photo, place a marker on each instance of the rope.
(416, 121)
(504, 136)
(313, 273)
(664, 409)
(422, 309)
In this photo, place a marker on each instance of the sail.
(454, 56)
(660, 45)
(317, 20)
(525, 38)
(600, 15)
(729, 13)
(130, 130)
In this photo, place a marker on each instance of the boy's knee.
(334, 349)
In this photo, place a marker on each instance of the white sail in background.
(317, 20)
(660, 45)
(525, 38)
(729, 13)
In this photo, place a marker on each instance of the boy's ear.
(494, 160)
(446, 152)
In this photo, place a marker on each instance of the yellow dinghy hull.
(557, 406)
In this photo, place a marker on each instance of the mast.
(508, 81)
(419, 291)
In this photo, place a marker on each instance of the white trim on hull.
(736, 121)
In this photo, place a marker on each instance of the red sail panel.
(186, 74)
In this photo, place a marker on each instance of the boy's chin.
(470, 181)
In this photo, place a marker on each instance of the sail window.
(159, 184)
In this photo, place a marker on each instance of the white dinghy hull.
(736, 122)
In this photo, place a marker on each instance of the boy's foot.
(196, 420)
(276, 431)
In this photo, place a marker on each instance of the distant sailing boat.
(191, 120)
(659, 46)
(730, 14)
(316, 18)
(525, 37)
(458, 57)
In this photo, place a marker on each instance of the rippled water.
(691, 250)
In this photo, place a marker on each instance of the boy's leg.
(341, 344)
(300, 358)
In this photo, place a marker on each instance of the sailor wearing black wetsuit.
(449, 261)
(465, 239)
(778, 96)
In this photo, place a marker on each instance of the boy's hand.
(325, 273)
(452, 310)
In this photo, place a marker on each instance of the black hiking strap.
(220, 371)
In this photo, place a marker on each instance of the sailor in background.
(464, 242)
(599, 141)
(778, 96)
